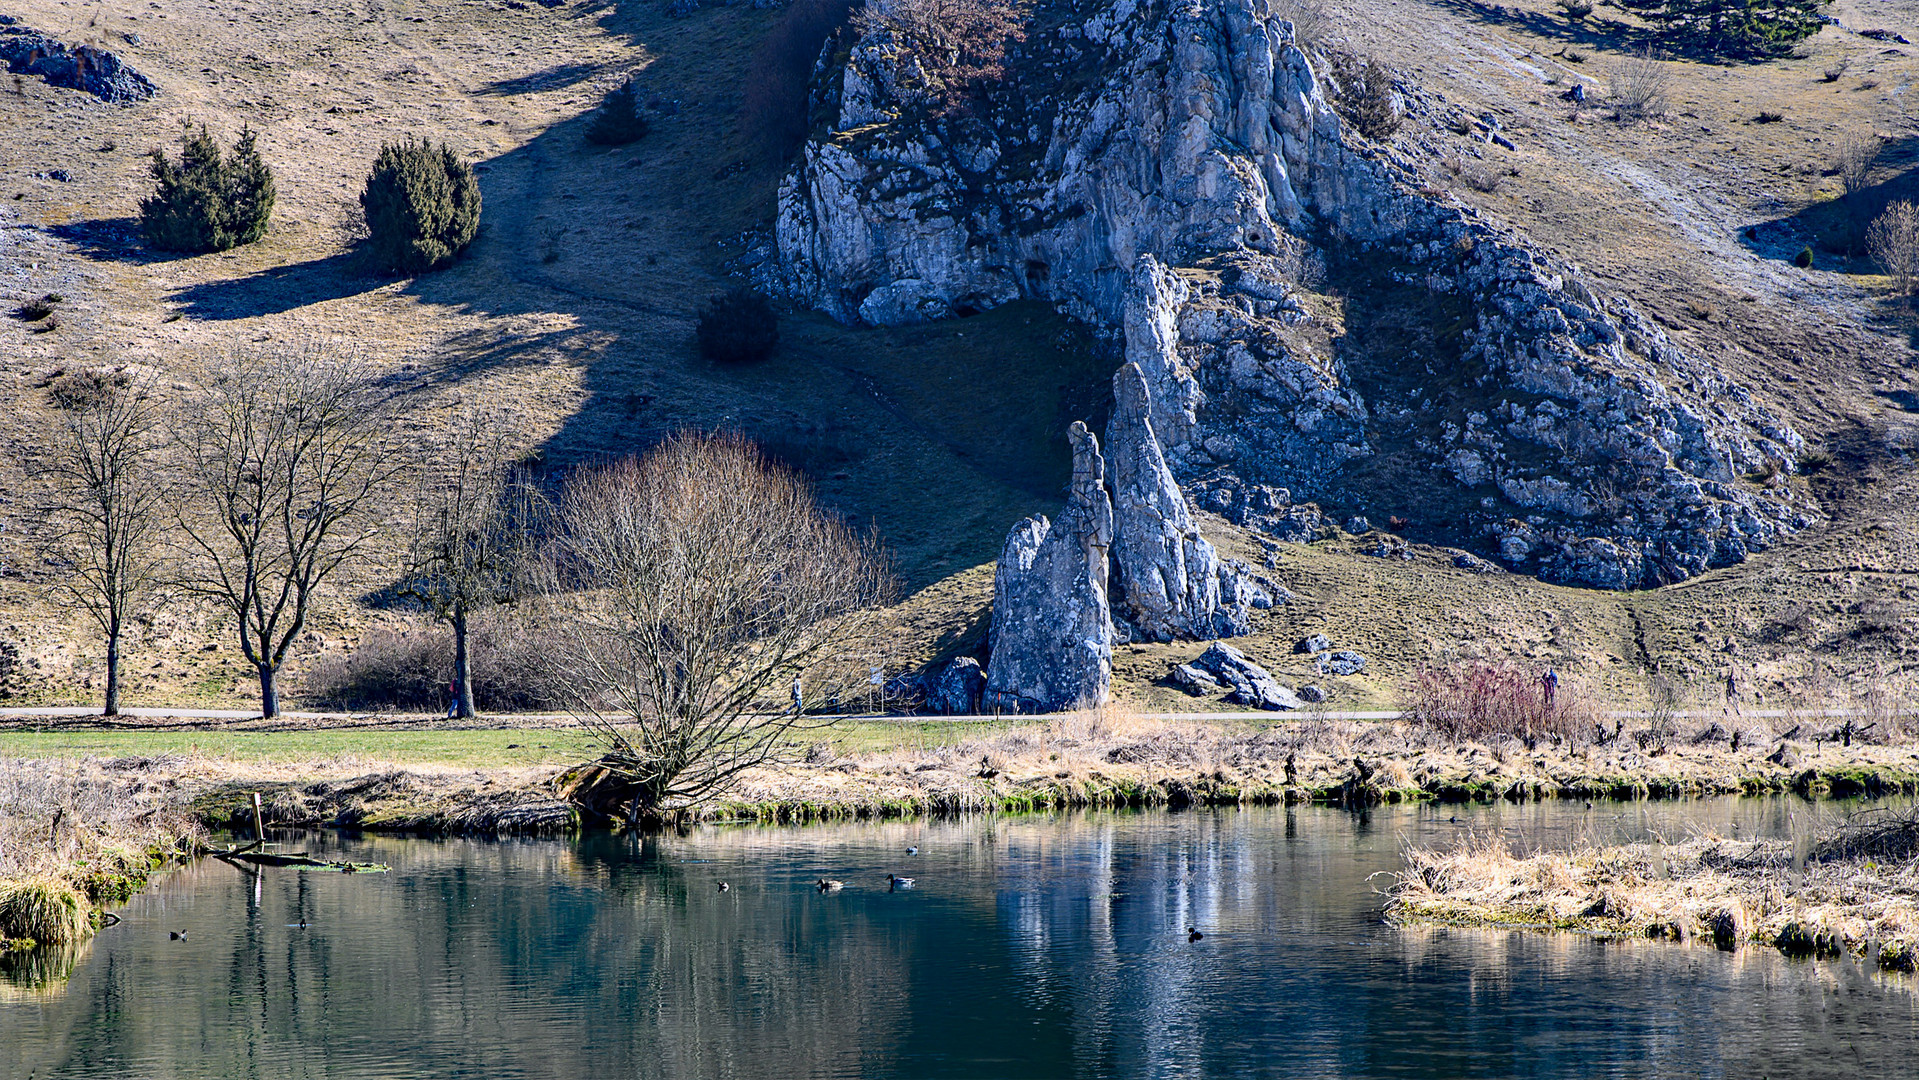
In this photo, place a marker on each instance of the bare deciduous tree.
(283, 455)
(1638, 87)
(691, 586)
(1854, 162)
(108, 507)
(472, 527)
(1893, 242)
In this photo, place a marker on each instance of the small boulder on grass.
(738, 326)
(618, 120)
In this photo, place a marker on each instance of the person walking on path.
(453, 691)
(799, 698)
(1549, 682)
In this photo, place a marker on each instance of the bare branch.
(283, 459)
(690, 587)
(108, 506)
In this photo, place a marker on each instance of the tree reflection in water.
(1031, 946)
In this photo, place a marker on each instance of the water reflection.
(1042, 946)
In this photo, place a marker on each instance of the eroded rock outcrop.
(1052, 635)
(1169, 578)
(1174, 172)
(80, 67)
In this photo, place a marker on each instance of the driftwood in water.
(294, 858)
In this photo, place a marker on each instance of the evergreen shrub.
(422, 206)
(207, 200)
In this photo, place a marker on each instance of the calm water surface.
(1030, 947)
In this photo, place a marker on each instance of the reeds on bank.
(1850, 887)
(76, 835)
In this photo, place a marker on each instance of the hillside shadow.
(1837, 226)
(277, 289)
(1592, 33)
(114, 240)
(553, 78)
(577, 303)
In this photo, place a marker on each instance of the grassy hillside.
(575, 307)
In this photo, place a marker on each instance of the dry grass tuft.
(44, 910)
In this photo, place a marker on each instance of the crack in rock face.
(1174, 174)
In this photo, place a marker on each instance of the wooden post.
(259, 830)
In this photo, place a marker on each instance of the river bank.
(85, 830)
(77, 838)
(1092, 759)
(1851, 888)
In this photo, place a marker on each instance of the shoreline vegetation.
(1851, 888)
(84, 832)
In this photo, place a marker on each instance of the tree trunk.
(113, 668)
(462, 671)
(269, 692)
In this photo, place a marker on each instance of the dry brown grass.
(58, 816)
(1846, 897)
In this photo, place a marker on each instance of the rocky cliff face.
(1172, 171)
(1171, 582)
(1052, 635)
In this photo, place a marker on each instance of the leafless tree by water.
(474, 526)
(284, 456)
(108, 508)
(689, 588)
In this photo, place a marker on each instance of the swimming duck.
(898, 882)
(1193, 934)
(912, 851)
(176, 935)
(829, 885)
(724, 887)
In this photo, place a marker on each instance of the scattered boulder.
(82, 67)
(956, 691)
(1312, 694)
(1052, 630)
(1251, 684)
(1345, 662)
(1194, 681)
(1313, 643)
(1466, 560)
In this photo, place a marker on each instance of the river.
(1028, 946)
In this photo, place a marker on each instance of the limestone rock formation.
(957, 689)
(1052, 635)
(82, 67)
(1251, 684)
(1165, 171)
(1169, 576)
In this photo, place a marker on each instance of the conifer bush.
(208, 200)
(1745, 28)
(422, 206)
(738, 326)
(618, 120)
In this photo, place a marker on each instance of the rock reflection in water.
(1035, 946)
